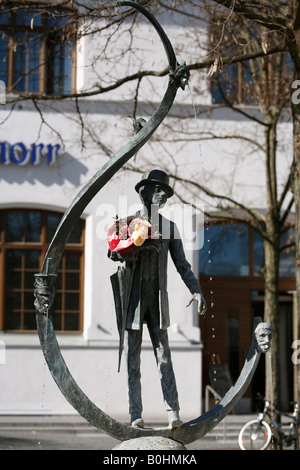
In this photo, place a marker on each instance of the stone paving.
(73, 433)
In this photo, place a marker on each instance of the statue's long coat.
(171, 242)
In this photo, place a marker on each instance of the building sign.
(21, 155)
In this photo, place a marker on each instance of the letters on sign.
(21, 155)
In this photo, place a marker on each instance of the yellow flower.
(140, 234)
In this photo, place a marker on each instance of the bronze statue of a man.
(146, 261)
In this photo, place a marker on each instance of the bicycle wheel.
(255, 435)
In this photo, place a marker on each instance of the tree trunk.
(294, 48)
(272, 253)
(271, 315)
(296, 192)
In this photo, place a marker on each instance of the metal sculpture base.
(187, 433)
(150, 443)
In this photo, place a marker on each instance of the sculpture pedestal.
(150, 443)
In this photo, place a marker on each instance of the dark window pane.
(4, 15)
(19, 81)
(288, 256)
(259, 257)
(3, 57)
(249, 95)
(12, 300)
(53, 221)
(34, 51)
(225, 251)
(72, 281)
(56, 319)
(232, 345)
(72, 260)
(29, 321)
(32, 258)
(59, 65)
(15, 226)
(71, 322)
(12, 321)
(27, 62)
(29, 280)
(25, 17)
(28, 301)
(13, 279)
(23, 226)
(13, 260)
(226, 82)
(72, 301)
(57, 301)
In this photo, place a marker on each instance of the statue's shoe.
(174, 420)
(138, 423)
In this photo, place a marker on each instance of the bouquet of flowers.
(124, 234)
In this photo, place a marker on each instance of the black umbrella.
(121, 283)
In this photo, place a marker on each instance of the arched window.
(25, 237)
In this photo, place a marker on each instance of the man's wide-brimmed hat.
(158, 177)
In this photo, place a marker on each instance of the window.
(234, 84)
(25, 237)
(265, 78)
(37, 52)
(234, 249)
(232, 346)
(287, 255)
(225, 251)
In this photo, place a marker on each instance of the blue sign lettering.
(21, 156)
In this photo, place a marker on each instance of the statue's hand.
(202, 307)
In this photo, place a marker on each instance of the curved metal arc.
(119, 159)
(48, 340)
(197, 428)
(189, 431)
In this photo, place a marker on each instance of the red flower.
(122, 236)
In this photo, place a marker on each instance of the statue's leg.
(162, 353)
(133, 341)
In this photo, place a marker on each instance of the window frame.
(44, 31)
(42, 246)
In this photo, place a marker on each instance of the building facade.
(50, 148)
